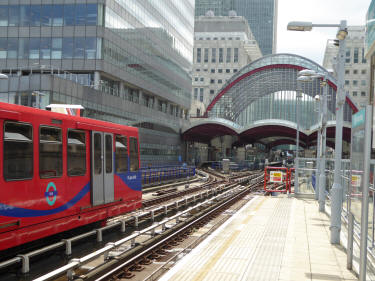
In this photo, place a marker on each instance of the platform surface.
(270, 238)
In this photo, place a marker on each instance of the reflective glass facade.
(260, 14)
(370, 25)
(137, 54)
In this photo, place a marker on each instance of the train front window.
(76, 153)
(50, 152)
(134, 161)
(121, 154)
(18, 151)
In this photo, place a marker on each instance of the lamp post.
(309, 75)
(296, 179)
(337, 190)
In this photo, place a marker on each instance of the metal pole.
(337, 190)
(296, 183)
(322, 176)
(365, 196)
(318, 153)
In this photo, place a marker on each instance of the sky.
(312, 44)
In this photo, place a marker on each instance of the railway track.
(117, 263)
(154, 208)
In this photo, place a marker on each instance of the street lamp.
(337, 190)
(309, 75)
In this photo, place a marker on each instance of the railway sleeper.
(137, 267)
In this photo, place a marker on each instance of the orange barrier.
(279, 175)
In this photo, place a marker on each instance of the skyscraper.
(260, 14)
(125, 61)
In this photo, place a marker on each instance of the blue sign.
(359, 118)
(51, 193)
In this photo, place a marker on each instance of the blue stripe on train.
(11, 211)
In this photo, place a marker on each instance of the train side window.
(50, 152)
(76, 153)
(134, 161)
(121, 154)
(18, 151)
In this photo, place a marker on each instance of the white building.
(222, 46)
(357, 69)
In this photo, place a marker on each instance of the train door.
(102, 168)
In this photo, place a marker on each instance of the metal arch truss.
(266, 89)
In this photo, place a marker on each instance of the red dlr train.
(59, 172)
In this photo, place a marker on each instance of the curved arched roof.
(270, 74)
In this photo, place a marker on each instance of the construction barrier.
(279, 176)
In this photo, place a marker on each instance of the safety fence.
(153, 176)
(278, 179)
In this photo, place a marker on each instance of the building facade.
(260, 14)
(125, 61)
(222, 46)
(357, 68)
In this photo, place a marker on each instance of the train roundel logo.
(51, 193)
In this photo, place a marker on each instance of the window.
(347, 56)
(90, 48)
(212, 92)
(97, 154)
(215, 38)
(230, 38)
(24, 15)
(34, 44)
(205, 54)
(363, 94)
(212, 70)
(57, 15)
(76, 153)
(363, 55)
(347, 71)
(199, 55)
(14, 15)
(12, 48)
(121, 154)
(50, 152)
(56, 51)
(355, 71)
(355, 83)
(363, 71)
(3, 48)
(212, 81)
(354, 93)
(201, 93)
(235, 59)
(205, 70)
(68, 48)
(219, 81)
(363, 82)
(46, 15)
(213, 55)
(79, 50)
(69, 14)
(80, 14)
(220, 70)
(108, 154)
(221, 51)
(23, 48)
(198, 69)
(45, 48)
(134, 161)
(227, 70)
(346, 82)
(35, 12)
(198, 112)
(355, 55)
(18, 151)
(235, 70)
(229, 55)
(4, 15)
(195, 93)
(195, 79)
(91, 14)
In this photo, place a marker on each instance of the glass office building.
(124, 60)
(260, 14)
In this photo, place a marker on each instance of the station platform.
(270, 238)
